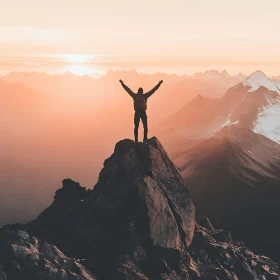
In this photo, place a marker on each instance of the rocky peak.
(139, 201)
(70, 190)
(143, 173)
(258, 79)
(137, 223)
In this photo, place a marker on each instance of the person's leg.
(145, 125)
(136, 125)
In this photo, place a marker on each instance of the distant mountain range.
(253, 103)
(106, 92)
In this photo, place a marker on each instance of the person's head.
(140, 91)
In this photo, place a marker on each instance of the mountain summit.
(137, 223)
(140, 199)
(258, 79)
(253, 103)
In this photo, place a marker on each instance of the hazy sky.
(201, 31)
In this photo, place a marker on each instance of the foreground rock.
(139, 203)
(215, 255)
(26, 257)
(137, 223)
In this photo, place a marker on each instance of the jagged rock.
(205, 222)
(3, 276)
(140, 200)
(227, 259)
(137, 223)
(26, 257)
(70, 191)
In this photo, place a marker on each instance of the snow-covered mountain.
(253, 103)
(268, 119)
(258, 79)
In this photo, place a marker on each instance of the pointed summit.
(225, 73)
(258, 79)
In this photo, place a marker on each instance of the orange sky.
(197, 32)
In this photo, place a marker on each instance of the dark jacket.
(140, 99)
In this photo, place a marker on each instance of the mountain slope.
(234, 178)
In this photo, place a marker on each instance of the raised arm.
(129, 91)
(149, 93)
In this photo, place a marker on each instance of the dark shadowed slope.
(234, 178)
(137, 223)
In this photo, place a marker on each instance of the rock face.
(215, 255)
(26, 257)
(140, 200)
(137, 223)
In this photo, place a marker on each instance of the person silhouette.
(140, 107)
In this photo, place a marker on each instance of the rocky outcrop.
(137, 223)
(140, 201)
(215, 255)
(26, 257)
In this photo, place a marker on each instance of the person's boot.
(145, 140)
(136, 134)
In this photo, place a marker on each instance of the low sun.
(80, 64)
(77, 58)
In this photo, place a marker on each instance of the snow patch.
(250, 152)
(259, 79)
(227, 122)
(268, 122)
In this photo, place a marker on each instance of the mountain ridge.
(239, 171)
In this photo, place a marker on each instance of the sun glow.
(80, 64)
(83, 69)
(78, 58)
